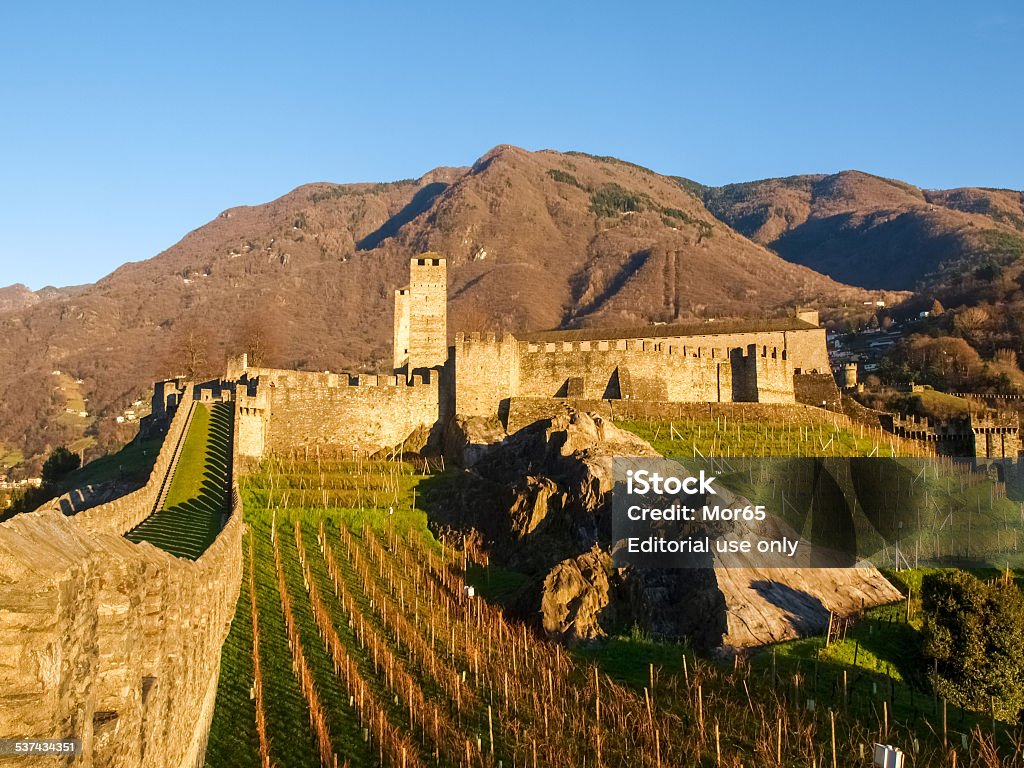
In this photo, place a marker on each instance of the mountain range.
(873, 232)
(533, 240)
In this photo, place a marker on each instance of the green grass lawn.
(233, 732)
(628, 658)
(196, 503)
(9, 458)
(495, 583)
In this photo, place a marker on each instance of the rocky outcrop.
(468, 438)
(576, 594)
(540, 500)
(770, 605)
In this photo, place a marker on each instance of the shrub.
(974, 638)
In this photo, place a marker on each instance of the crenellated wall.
(765, 374)
(125, 513)
(252, 420)
(490, 370)
(359, 412)
(114, 643)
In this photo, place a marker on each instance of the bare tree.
(972, 323)
(469, 317)
(189, 354)
(259, 338)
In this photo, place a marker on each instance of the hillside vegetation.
(876, 232)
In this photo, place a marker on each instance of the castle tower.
(850, 375)
(421, 315)
(401, 342)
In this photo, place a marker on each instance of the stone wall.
(486, 373)
(166, 397)
(807, 350)
(489, 371)
(363, 413)
(626, 369)
(818, 389)
(400, 340)
(762, 375)
(805, 346)
(114, 643)
(526, 410)
(252, 419)
(996, 435)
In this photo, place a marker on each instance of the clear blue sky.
(124, 126)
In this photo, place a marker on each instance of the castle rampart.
(364, 413)
(758, 361)
(115, 643)
(490, 370)
(984, 435)
(486, 373)
(125, 513)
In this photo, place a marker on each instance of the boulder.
(576, 593)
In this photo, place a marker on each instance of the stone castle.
(514, 378)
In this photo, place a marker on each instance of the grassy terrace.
(193, 512)
(730, 437)
(278, 497)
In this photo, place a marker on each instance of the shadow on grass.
(187, 528)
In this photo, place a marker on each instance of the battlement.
(995, 420)
(765, 352)
(484, 338)
(283, 378)
(428, 260)
(989, 434)
(652, 346)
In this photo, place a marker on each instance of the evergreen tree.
(974, 638)
(59, 463)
